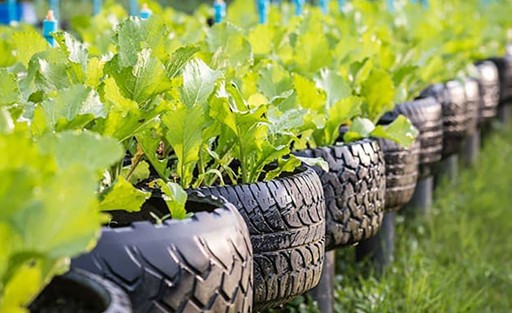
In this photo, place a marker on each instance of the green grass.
(457, 260)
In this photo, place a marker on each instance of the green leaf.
(9, 92)
(150, 140)
(283, 166)
(179, 59)
(379, 93)
(308, 94)
(274, 80)
(334, 85)
(340, 113)
(74, 49)
(141, 82)
(6, 122)
(124, 196)
(71, 108)
(185, 128)
(85, 148)
(320, 162)
(261, 38)
(360, 128)
(198, 82)
(51, 70)
(28, 43)
(130, 38)
(140, 173)
(312, 53)
(124, 118)
(229, 46)
(67, 219)
(360, 71)
(174, 196)
(401, 131)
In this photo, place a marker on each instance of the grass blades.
(457, 260)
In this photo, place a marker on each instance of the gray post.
(422, 199)
(471, 149)
(379, 250)
(323, 294)
(448, 169)
(504, 113)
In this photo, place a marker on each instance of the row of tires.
(253, 247)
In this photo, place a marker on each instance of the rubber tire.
(79, 283)
(504, 66)
(401, 172)
(489, 91)
(286, 220)
(452, 97)
(472, 92)
(354, 190)
(426, 116)
(199, 264)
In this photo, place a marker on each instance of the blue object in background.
(299, 6)
(5, 17)
(424, 3)
(96, 6)
(134, 8)
(55, 6)
(219, 8)
(263, 10)
(324, 4)
(50, 25)
(341, 4)
(12, 11)
(391, 5)
(145, 12)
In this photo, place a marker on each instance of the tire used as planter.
(199, 264)
(489, 91)
(401, 172)
(81, 291)
(452, 97)
(354, 190)
(426, 115)
(472, 93)
(504, 67)
(286, 220)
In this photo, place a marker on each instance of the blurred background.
(75, 7)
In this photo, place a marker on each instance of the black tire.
(200, 264)
(472, 92)
(452, 97)
(354, 190)
(504, 66)
(286, 220)
(489, 91)
(426, 115)
(82, 289)
(401, 172)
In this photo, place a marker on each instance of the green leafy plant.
(50, 207)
